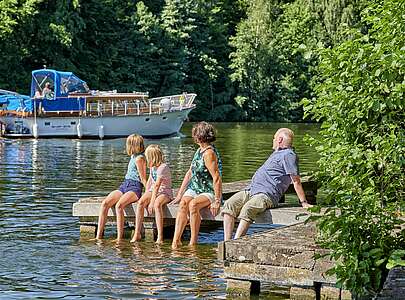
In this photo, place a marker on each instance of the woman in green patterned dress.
(201, 186)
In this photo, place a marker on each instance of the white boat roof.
(105, 96)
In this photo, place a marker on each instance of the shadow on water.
(41, 254)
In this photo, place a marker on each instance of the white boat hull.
(153, 125)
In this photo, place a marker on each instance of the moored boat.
(62, 105)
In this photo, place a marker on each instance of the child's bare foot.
(136, 238)
(159, 241)
(118, 241)
(176, 244)
(192, 244)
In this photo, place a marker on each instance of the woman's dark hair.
(203, 132)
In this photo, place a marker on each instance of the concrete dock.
(87, 210)
(282, 257)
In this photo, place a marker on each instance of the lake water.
(41, 255)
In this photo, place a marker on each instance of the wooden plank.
(90, 207)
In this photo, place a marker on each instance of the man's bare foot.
(176, 244)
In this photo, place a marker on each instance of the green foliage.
(171, 46)
(360, 102)
(276, 53)
(163, 47)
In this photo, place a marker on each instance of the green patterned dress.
(201, 179)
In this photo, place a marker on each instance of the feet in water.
(136, 238)
(176, 244)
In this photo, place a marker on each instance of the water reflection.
(41, 254)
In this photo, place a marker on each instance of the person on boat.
(37, 94)
(158, 192)
(201, 186)
(47, 92)
(268, 185)
(129, 191)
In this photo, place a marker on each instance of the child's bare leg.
(181, 221)
(158, 207)
(125, 199)
(140, 209)
(107, 203)
(195, 217)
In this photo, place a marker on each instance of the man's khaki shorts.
(246, 207)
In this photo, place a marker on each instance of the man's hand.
(305, 204)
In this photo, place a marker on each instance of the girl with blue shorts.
(130, 190)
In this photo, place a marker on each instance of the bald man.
(268, 185)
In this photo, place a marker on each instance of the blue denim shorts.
(130, 185)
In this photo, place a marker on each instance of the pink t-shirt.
(163, 171)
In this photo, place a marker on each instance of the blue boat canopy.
(11, 101)
(53, 88)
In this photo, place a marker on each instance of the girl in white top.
(158, 192)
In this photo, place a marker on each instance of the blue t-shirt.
(274, 176)
(132, 172)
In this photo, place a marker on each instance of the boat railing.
(157, 105)
(174, 102)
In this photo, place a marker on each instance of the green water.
(41, 253)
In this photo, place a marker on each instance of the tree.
(362, 148)
(15, 18)
(276, 52)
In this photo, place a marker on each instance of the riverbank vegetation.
(246, 60)
(360, 102)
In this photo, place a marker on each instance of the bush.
(360, 102)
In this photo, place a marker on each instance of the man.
(268, 185)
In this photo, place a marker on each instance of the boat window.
(164, 118)
(47, 123)
(73, 123)
(72, 84)
(147, 119)
(43, 85)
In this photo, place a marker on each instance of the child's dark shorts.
(130, 185)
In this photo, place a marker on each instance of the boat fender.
(101, 132)
(35, 131)
(79, 130)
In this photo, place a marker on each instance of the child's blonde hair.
(154, 155)
(135, 144)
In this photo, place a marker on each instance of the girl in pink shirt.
(158, 192)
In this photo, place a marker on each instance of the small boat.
(61, 105)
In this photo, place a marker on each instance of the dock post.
(300, 293)
(242, 288)
(221, 251)
(331, 292)
(88, 231)
(150, 231)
